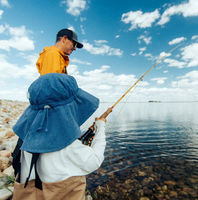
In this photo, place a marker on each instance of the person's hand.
(103, 119)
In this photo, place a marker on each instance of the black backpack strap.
(38, 183)
(16, 157)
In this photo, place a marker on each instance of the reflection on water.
(149, 134)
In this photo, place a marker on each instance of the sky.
(122, 40)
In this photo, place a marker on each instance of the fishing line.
(120, 110)
(85, 138)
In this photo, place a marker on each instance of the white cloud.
(98, 42)
(188, 9)
(162, 54)
(189, 55)
(1, 13)
(177, 40)
(18, 31)
(21, 43)
(82, 19)
(160, 81)
(193, 75)
(146, 39)
(101, 48)
(2, 29)
(75, 60)
(142, 50)
(82, 30)
(189, 80)
(168, 94)
(11, 92)
(166, 71)
(140, 19)
(29, 71)
(19, 39)
(133, 54)
(111, 86)
(73, 70)
(70, 27)
(194, 37)
(175, 63)
(117, 36)
(75, 7)
(8, 70)
(5, 3)
(149, 56)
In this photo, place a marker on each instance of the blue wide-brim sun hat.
(57, 110)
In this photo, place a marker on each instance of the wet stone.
(169, 183)
(144, 198)
(159, 196)
(173, 194)
(183, 194)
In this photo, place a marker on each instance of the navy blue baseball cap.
(70, 34)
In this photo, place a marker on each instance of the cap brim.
(79, 45)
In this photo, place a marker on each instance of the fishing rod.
(87, 137)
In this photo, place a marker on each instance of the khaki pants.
(72, 188)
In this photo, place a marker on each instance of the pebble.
(9, 171)
(169, 183)
(5, 193)
(173, 194)
(144, 198)
(4, 163)
(9, 145)
(5, 153)
(88, 197)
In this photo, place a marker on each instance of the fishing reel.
(87, 137)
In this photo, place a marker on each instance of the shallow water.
(148, 134)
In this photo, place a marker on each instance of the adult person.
(54, 59)
(50, 127)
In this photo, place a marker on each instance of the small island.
(154, 101)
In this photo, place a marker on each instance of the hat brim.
(79, 45)
(63, 125)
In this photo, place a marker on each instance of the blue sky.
(122, 40)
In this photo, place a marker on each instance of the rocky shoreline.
(170, 178)
(10, 111)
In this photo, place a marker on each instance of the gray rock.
(10, 145)
(88, 197)
(5, 194)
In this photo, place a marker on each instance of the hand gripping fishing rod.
(87, 137)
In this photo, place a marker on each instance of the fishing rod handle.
(104, 115)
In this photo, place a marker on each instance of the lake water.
(149, 141)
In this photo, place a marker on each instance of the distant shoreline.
(155, 102)
(150, 101)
